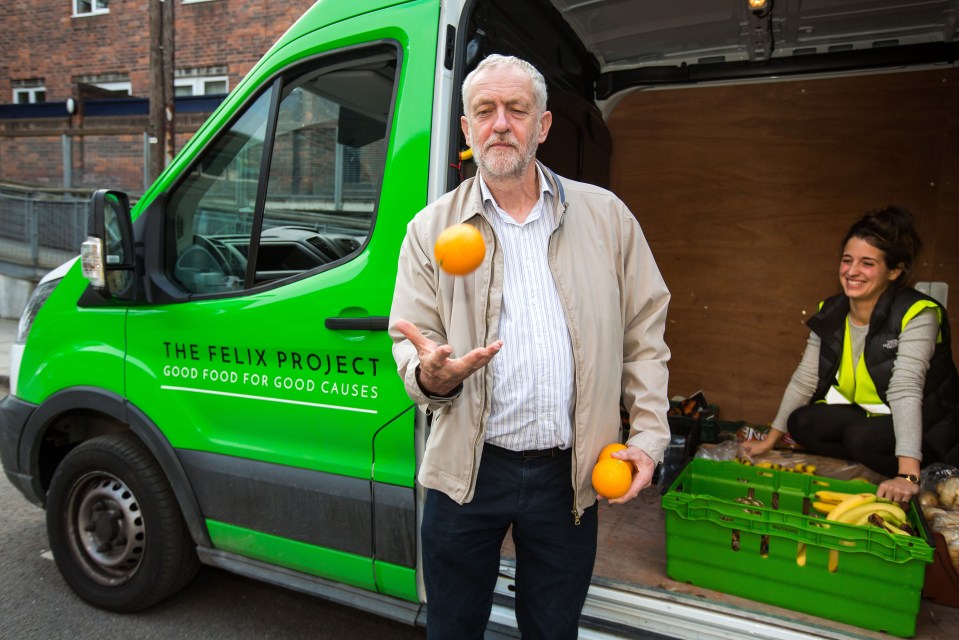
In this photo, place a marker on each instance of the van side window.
(249, 213)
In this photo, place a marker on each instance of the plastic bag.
(761, 432)
(939, 499)
(789, 460)
(728, 450)
(939, 486)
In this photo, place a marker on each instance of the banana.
(851, 502)
(833, 564)
(889, 516)
(860, 514)
(823, 507)
(835, 497)
(879, 521)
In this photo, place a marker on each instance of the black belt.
(553, 452)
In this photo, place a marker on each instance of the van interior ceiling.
(643, 45)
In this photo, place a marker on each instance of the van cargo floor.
(632, 555)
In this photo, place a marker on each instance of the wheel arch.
(75, 415)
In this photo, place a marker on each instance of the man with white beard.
(572, 308)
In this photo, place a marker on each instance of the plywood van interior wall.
(745, 191)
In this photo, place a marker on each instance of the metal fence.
(41, 228)
(112, 158)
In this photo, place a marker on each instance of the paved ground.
(35, 602)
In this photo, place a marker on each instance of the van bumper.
(14, 414)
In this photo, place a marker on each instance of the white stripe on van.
(267, 399)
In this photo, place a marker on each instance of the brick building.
(96, 55)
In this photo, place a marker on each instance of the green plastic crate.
(741, 529)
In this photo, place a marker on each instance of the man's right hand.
(439, 372)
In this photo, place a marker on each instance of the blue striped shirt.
(532, 396)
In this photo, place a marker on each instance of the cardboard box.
(942, 580)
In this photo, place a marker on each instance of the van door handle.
(369, 323)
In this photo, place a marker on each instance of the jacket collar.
(560, 205)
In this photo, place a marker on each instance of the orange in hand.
(460, 249)
(609, 449)
(612, 477)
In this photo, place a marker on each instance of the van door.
(269, 369)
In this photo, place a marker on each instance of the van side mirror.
(107, 257)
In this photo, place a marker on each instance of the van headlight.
(34, 304)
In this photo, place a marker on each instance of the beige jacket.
(615, 304)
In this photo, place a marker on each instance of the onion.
(949, 491)
(928, 499)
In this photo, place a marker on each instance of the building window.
(119, 88)
(29, 95)
(90, 7)
(207, 86)
(103, 85)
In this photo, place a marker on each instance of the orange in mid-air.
(609, 449)
(460, 249)
(612, 477)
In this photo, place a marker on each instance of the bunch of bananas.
(799, 467)
(802, 467)
(863, 509)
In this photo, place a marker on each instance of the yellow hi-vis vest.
(854, 385)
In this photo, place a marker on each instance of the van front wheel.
(115, 528)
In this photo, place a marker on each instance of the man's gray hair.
(496, 60)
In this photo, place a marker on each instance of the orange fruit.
(612, 477)
(609, 449)
(460, 249)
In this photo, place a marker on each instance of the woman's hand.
(897, 489)
(754, 448)
(758, 447)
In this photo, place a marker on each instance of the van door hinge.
(450, 46)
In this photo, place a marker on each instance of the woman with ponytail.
(877, 384)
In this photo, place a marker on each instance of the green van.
(212, 381)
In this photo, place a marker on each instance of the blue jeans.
(554, 556)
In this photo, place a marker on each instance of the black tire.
(115, 528)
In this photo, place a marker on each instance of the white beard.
(506, 163)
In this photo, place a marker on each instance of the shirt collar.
(545, 186)
(545, 189)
